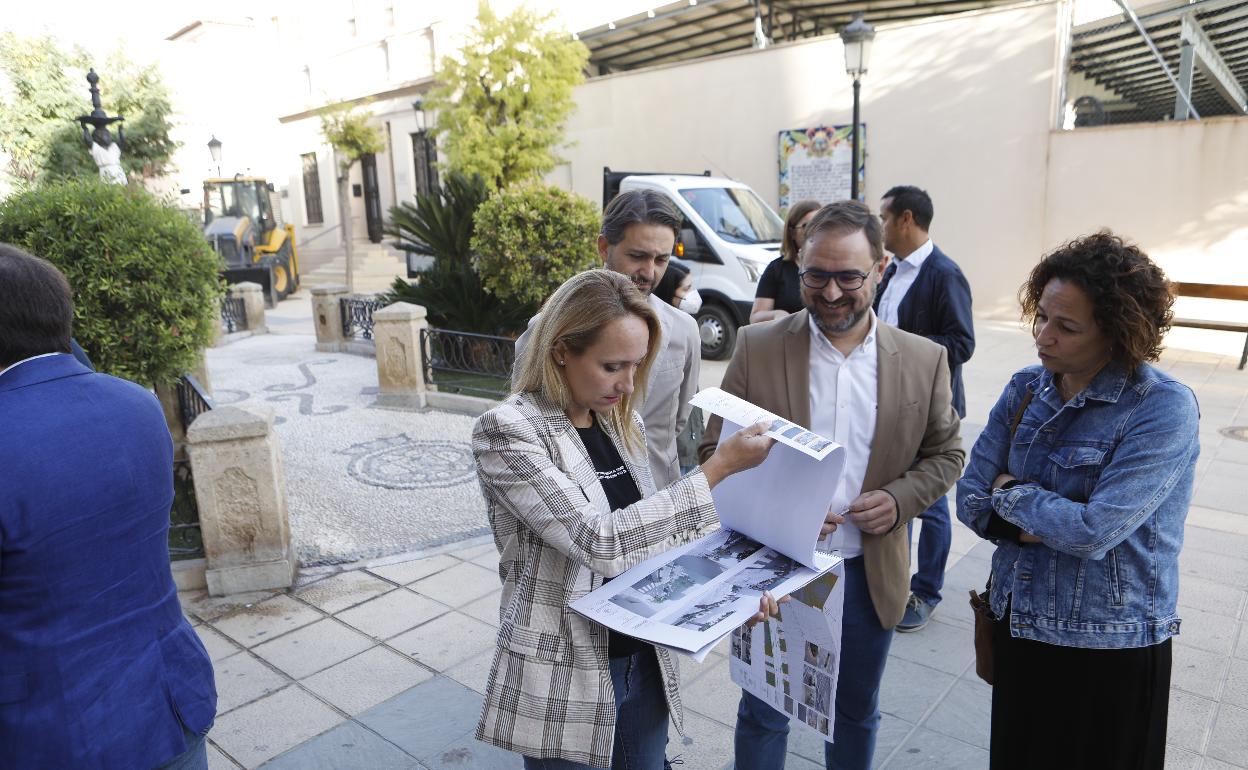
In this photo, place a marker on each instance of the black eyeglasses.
(846, 280)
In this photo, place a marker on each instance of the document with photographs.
(791, 662)
(690, 597)
(742, 412)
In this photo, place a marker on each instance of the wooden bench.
(1215, 291)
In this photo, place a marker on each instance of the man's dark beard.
(840, 327)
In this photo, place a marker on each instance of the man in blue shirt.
(98, 667)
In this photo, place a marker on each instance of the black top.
(621, 491)
(780, 283)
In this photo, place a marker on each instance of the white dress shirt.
(843, 401)
(907, 270)
(16, 364)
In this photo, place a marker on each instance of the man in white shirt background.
(925, 293)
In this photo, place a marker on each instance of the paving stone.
(405, 572)
(408, 720)
(261, 622)
(938, 645)
(312, 648)
(1212, 597)
(265, 728)
(1213, 541)
(219, 761)
(392, 613)
(242, 678)
(467, 751)
(476, 552)
(218, 645)
(1221, 521)
(1229, 740)
(965, 713)
(349, 746)
(893, 733)
(713, 694)
(928, 750)
(1241, 647)
(446, 640)
(1181, 759)
(1188, 720)
(489, 560)
(459, 584)
(346, 589)
(1222, 487)
(1235, 689)
(473, 673)
(1206, 631)
(706, 744)
(1214, 764)
(1217, 568)
(910, 689)
(361, 682)
(484, 609)
(208, 608)
(1197, 671)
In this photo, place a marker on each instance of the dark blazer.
(938, 307)
(99, 670)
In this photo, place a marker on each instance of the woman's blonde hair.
(575, 315)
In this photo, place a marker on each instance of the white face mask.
(692, 302)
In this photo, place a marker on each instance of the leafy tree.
(145, 281)
(503, 98)
(532, 237)
(47, 90)
(351, 136)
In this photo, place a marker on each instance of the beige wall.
(960, 107)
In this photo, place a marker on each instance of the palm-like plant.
(440, 225)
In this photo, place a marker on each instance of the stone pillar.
(253, 304)
(327, 316)
(241, 492)
(400, 356)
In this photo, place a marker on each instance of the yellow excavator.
(245, 228)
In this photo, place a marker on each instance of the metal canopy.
(1112, 53)
(693, 29)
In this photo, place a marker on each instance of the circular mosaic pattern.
(400, 462)
(1239, 432)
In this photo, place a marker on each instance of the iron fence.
(192, 400)
(357, 316)
(233, 314)
(471, 363)
(186, 541)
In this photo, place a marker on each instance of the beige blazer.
(916, 455)
(549, 692)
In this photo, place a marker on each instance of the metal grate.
(186, 541)
(357, 316)
(233, 315)
(192, 400)
(472, 363)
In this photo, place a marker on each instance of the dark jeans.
(194, 758)
(640, 718)
(935, 537)
(761, 738)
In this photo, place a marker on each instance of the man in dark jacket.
(98, 667)
(924, 293)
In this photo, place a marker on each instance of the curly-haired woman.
(1083, 477)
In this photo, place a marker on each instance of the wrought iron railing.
(233, 314)
(357, 316)
(192, 400)
(186, 541)
(472, 363)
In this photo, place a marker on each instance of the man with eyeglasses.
(639, 230)
(925, 293)
(884, 395)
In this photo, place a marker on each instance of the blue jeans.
(761, 738)
(640, 718)
(194, 758)
(935, 537)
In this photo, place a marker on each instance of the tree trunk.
(344, 215)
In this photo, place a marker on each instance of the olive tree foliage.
(502, 100)
(348, 131)
(43, 88)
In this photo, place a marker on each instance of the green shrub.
(144, 279)
(530, 238)
(456, 300)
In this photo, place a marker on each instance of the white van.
(727, 237)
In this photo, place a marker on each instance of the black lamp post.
(856, 37)
(426, 149)
(214, 149)
(98, 120)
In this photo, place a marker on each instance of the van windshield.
(736, 214)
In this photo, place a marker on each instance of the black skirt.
(1069, 707)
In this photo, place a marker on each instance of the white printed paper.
(742, 412)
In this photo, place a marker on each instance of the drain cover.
(1236, 431)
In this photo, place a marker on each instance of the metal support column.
(1187, 66)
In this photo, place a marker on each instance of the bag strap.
(1018, 416)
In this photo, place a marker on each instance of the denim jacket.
(1108, 480)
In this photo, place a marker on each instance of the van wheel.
(718, 331)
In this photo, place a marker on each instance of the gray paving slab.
(217, 644)
(1206, 630)
(426, 718)
(939, 645)
(1212, 597)
(349, 746)
(446, 640)
(910, 690)
(1181, 759)
(267, 727)
(265, 620)
(1235, 689)
(411, 570)
(392, 613)
(965, 713)
(1241, 647)
(706, 744)
(242, 678)
(929, 750)
(473, 673)
(485, 609)
(314, 647)
(467, 751)
(1214, 764)
(1217, 568)
(218, 761)
(361, 682)
(1197, 671)
(1189, 720)
(459, 584)
(346, 589)
(1229, 739)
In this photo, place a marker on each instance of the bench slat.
(1221, 326)
(1211, 291)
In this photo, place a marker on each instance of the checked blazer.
(549, 692)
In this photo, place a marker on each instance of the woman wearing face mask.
(676, 288)
(562, 465)
(1082, 478)
(779, 291)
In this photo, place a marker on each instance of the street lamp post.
(856, 37)
(427, 151)
(214, 149)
